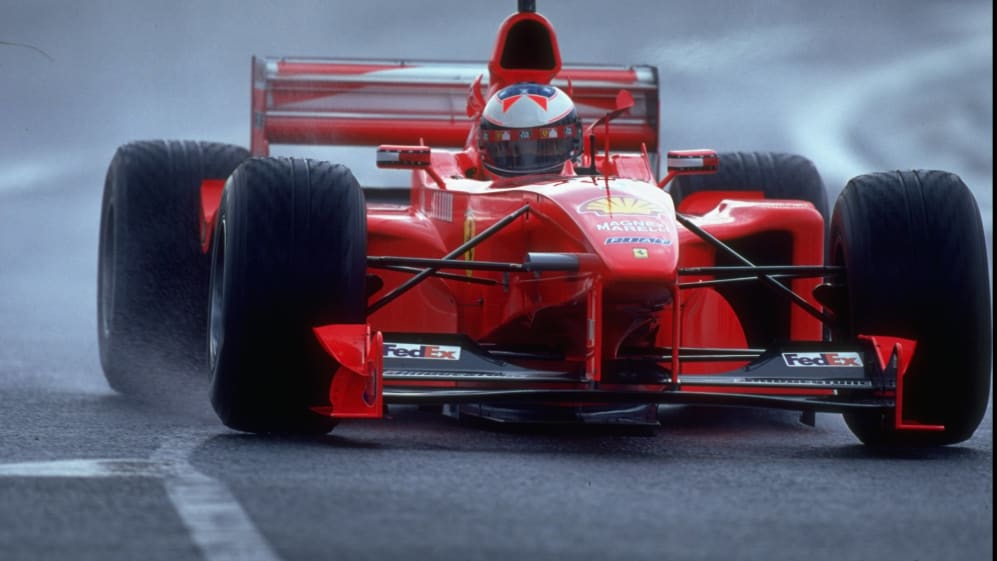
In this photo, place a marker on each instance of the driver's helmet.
(529, 128)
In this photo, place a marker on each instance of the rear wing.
(367, 103)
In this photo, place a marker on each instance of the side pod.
(356, 390)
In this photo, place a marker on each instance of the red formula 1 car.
(538, 268)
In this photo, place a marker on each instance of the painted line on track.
(217, 524)
(213, 516)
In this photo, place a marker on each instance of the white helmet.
(529, 128)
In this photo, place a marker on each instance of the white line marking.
(218, 525)
(85, 469)
(216, 521)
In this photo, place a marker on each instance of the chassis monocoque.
(592, 295)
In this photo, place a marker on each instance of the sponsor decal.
(852, 360)
(469, 232)
(634, 240)
(640, 252)
(526, 134)
(441, 207)
(429, 352)
(608, 206)
(638, 226)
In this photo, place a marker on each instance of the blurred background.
(856, 86)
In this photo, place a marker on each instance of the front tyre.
(289, 253)
(914, 251)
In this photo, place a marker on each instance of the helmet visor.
(535, 150)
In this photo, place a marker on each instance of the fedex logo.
(432, 352)
(823, 359)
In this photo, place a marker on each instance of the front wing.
(431, 369)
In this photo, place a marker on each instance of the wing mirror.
(408, 157)
(403, 157)
(690, 162)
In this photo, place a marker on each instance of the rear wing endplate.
(366, 103)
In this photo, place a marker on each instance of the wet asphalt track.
(85, 474)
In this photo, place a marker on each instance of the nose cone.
(632, 229)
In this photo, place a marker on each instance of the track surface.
(86, 474)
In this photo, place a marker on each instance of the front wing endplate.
(356, 389)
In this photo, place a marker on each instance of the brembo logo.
(432, 352)
(852, 360)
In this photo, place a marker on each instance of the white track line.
(85, 469)
(216, 521)
(218, 525)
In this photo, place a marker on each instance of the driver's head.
(529, 128)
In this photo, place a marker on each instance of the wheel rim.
(216, 328)
(105, 278)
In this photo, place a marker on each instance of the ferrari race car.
(533, 273)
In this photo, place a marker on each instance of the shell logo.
(621, 205)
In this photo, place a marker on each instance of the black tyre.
(289, 254)
(152, 282)
(913, 247)
(779, 176)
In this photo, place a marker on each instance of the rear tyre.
(779, 176)
(289, 253)
(152, 276)
(914, 251)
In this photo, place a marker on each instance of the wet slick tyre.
(288, 254)
(152, 281)
(779, 176)
(914, 251)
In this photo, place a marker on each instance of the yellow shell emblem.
(621, 205)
